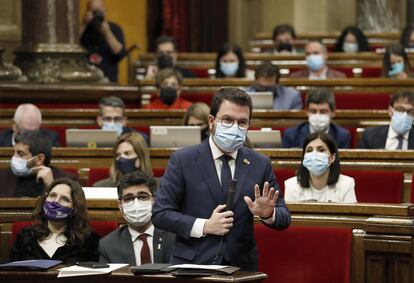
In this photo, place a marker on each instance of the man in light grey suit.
(138, 242)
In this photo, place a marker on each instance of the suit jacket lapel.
(158, 242)
(127, 247)
(207, 168)
(411, 139)
(242, 170)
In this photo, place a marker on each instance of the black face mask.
(285, 47)
(164, 61)
(126, 165)
(168, 95)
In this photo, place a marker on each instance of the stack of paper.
(76, 270)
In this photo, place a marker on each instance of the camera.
(98, 18)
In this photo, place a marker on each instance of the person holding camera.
(103, 40)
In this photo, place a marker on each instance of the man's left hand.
(263, 205)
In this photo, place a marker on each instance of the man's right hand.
(219, 222)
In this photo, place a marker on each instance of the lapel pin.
(246, 161)
(159, 246)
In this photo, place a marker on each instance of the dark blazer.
(376, 138)
(123, 250)
(10, 182)
(26, 247)
(190, 189)
(6, 137)
(331, 73)
(295, 136)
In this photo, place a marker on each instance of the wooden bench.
(382, 241)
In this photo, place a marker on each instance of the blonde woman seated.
(197, 115)
(130, 154)
(318, 178)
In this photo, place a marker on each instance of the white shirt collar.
(135, 234)
(216, 151)
(393, 134)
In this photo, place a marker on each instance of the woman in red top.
(169, 83)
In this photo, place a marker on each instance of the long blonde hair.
(140, 148)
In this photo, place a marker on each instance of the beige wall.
(10, 27)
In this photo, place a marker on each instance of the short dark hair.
(402, 95)
(386, 62)
(111, 101)
(231, 94)
(37, 143)
(359, 35)
(283, 28)
(165, 39)
(321, 95)
(227, 48)
(303, 173)
(137, 178)
(405, 36)
(267, 70)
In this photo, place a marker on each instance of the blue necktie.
(225, 173)
(400, 139)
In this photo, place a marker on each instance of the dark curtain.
(198, 25)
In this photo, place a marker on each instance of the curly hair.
(77, 225)
(359, 35)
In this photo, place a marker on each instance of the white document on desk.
(76, 270)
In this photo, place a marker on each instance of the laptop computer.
(174, 136)
(264, 138)
(90, 138)
(261, 99)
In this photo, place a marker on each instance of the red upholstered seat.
(158, 172)
(72, 170)
(97, 174)
(377, 186)
(357, 101)
(412, 190)
(283, 174)
(304, 254)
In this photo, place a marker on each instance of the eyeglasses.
(140, 196)
(110, 119)
(62, 199)
(228, 122)
(403, 110)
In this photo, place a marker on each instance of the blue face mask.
(229, 139)
(108, 126)
(229, 69)
(315, 62)
(316, 162)
(401, 123)
(396, 68)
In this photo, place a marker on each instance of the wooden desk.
(124, 275)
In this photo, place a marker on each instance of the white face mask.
(319, 122)
(350, 47)
(19, 167)
(138, 212)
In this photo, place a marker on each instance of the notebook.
(90, 138)
(33, 264)
(264, 138)
(262, 99)
(174, 136)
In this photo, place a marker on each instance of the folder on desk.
(34, 264)
(202, 270)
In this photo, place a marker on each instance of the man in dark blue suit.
(320, 105)
(192, 195)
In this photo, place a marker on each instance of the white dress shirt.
(198, 226)
(392, 141)
(137, 243)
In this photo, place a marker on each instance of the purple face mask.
(55, 211)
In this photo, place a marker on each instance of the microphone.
(230, 194)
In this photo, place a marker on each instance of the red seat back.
(103, 227)
(158, 172)
(282, 174)
(304, 254)
(412, 190)
(16, 228)
(377, 186)
(97, 174)
(356, 101)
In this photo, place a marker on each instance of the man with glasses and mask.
(169, 82)
(138, 242)
(191, 200)
(320, 106)
(30, 171)
(400, 133)
(112, 116)
(267, 79)
(166, 57)
(27, 117)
